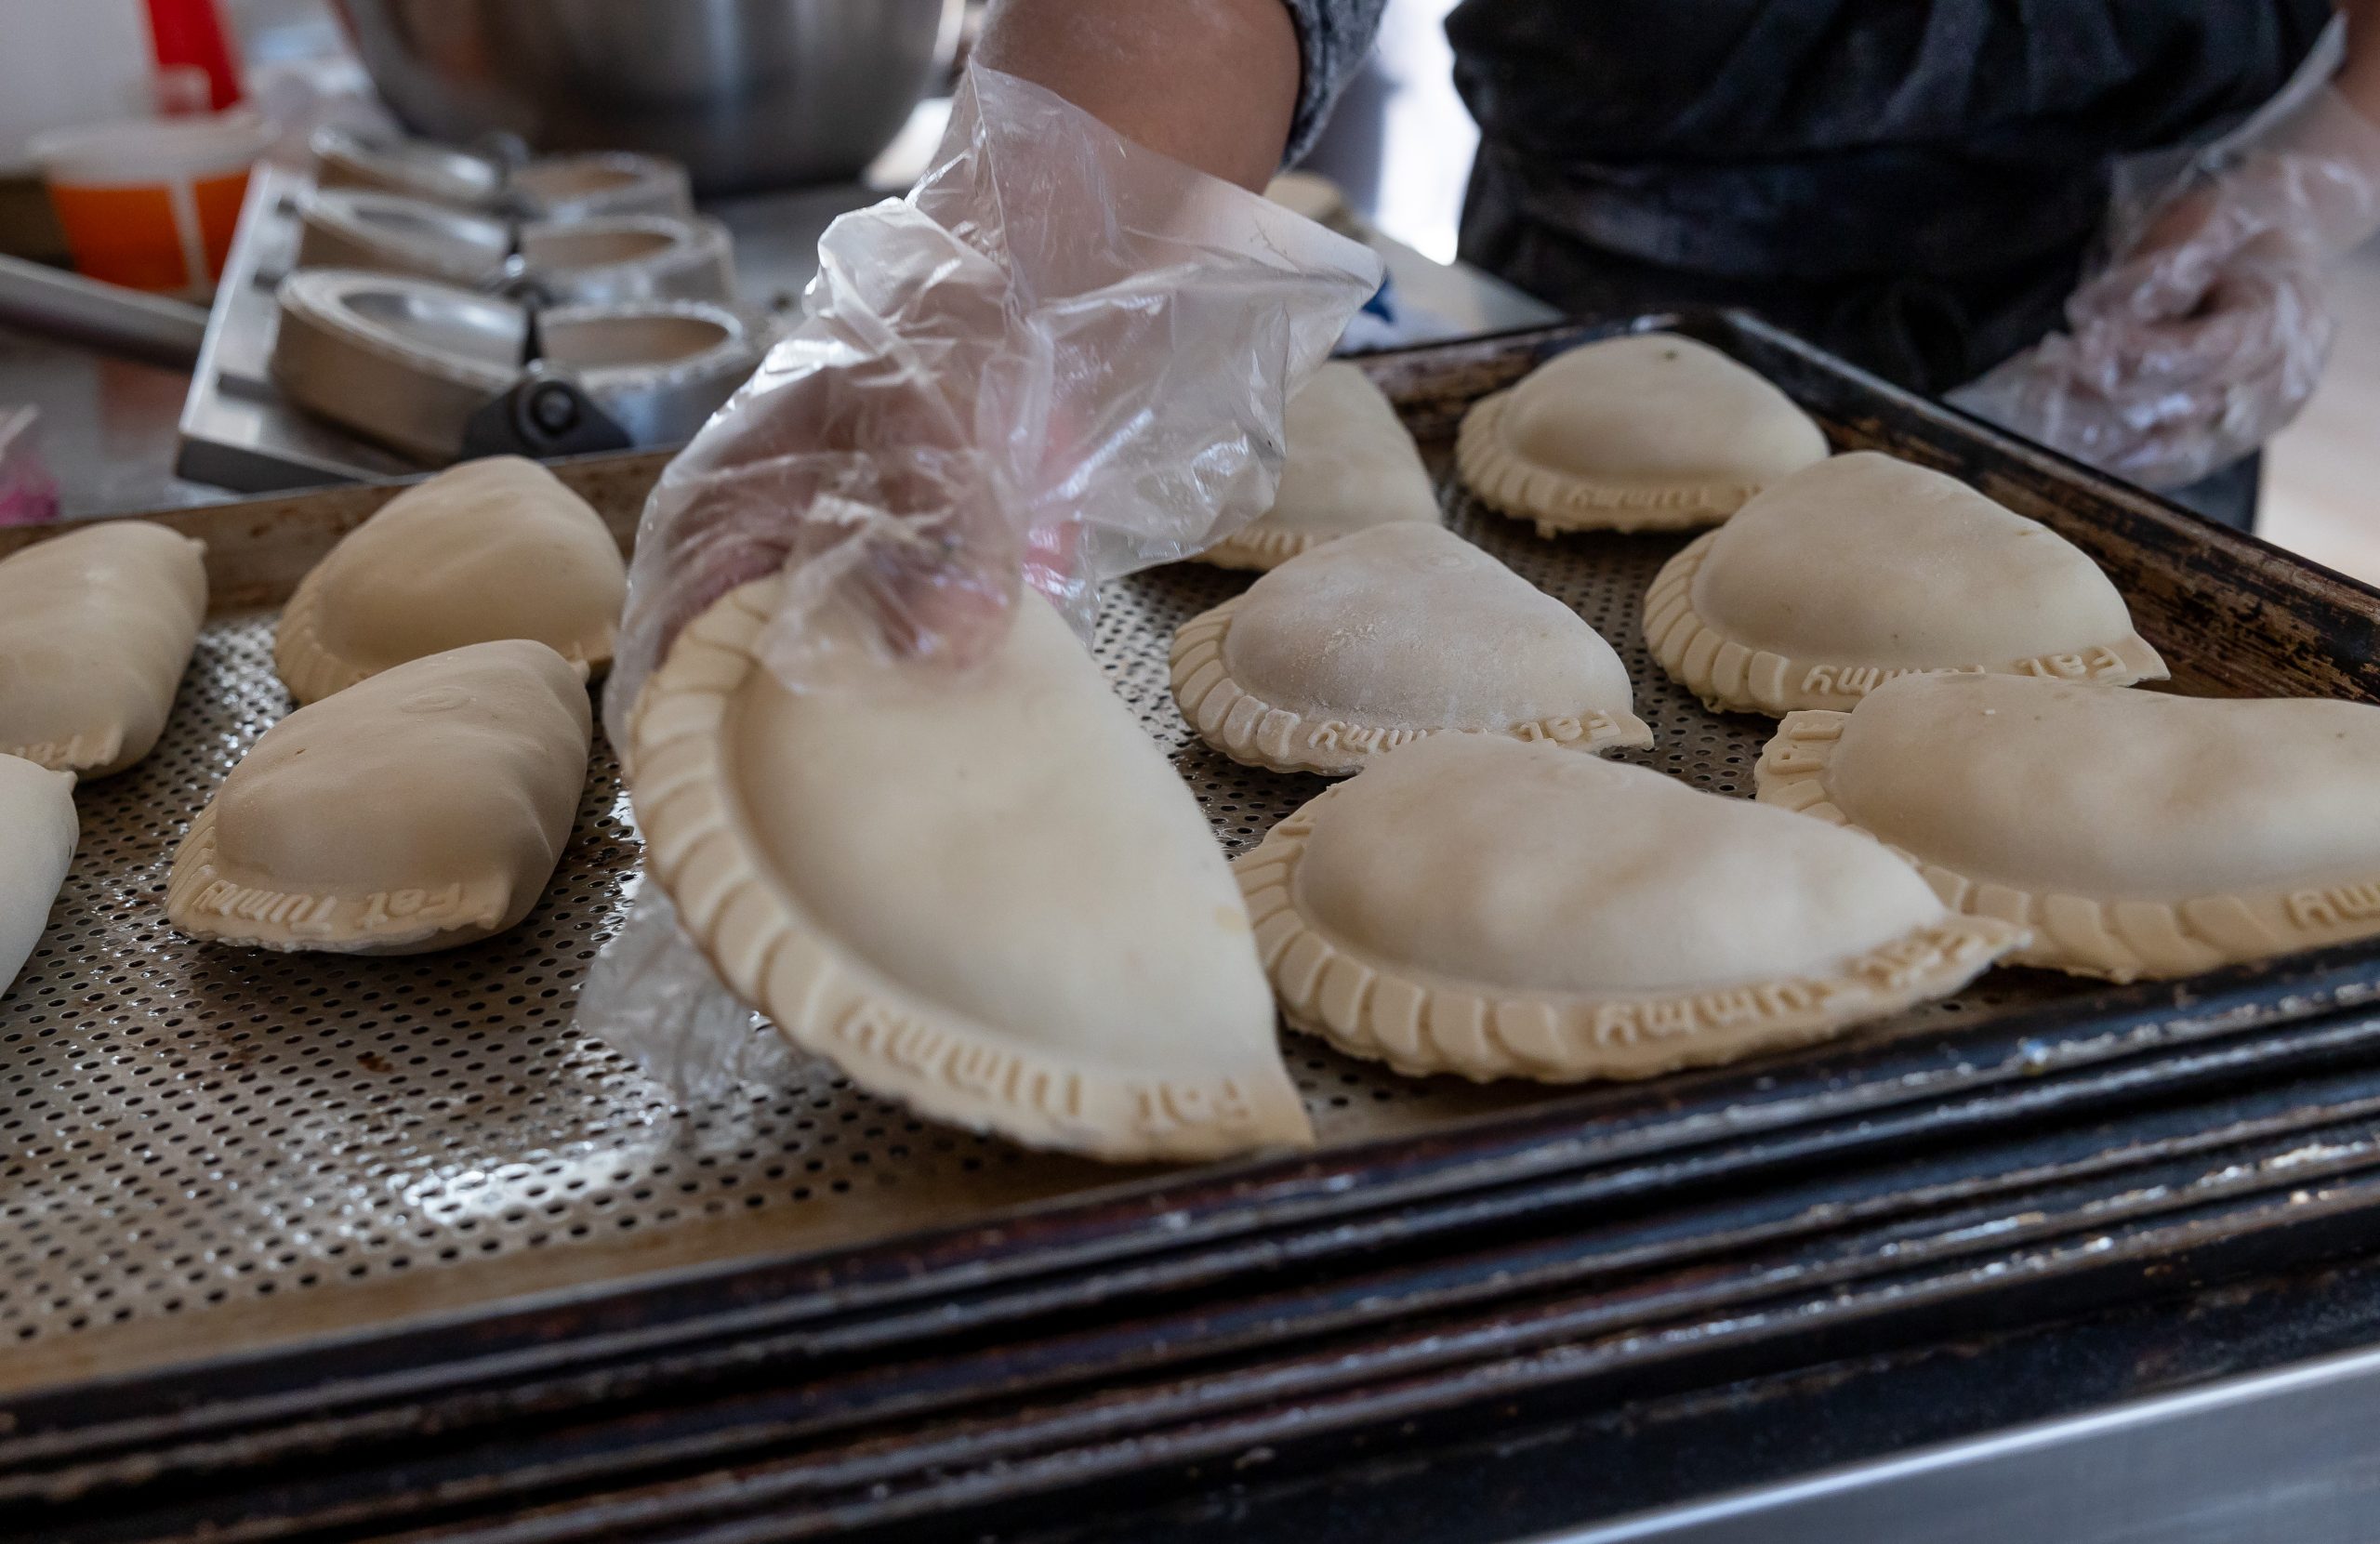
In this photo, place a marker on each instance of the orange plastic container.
(152, 204)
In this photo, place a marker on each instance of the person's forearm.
(1214, 82)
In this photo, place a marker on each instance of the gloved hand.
(1061, 357)
(2210, 327)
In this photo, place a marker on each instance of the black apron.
(1913, 184)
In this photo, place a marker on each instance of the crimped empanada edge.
(76, 755)
(303, 662)
(2117, 940)
(1255, 732)
(1258, 548)
(105, 750)
(1255, 550)
(1367, 1008)
(313, 671)
(1731, 677)
(205, 903)
(1557, 501)
(890, 1041)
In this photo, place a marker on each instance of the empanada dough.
(37, 832)
(1649, 432)
(986, 895)
(419, 810)
(1481, 906)
(1388, 636)
(489, 549)
(1351, 465)
(1866, 568)
(96, 629)
(2134, 833)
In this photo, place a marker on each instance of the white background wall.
(2322, 472)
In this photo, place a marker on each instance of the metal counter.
(108, 425)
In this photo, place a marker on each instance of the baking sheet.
(229, 1148)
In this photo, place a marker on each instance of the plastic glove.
(2208, 331)
(1061, 357)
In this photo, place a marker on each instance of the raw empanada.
(1480, 906)
(37, 832)
(986, 895)
(1387, 637)
(2134, 833)
(1350, 466)
(1864, 567)
(1649, 432)
(419, 810)
(96, 629)
(487, 550)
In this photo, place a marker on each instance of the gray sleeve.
(1334, 36)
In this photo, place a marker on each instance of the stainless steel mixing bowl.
(747, 93)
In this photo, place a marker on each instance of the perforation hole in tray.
(191, 1133)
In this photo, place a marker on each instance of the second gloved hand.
(2210, 328)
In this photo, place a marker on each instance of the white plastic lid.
(143, 152)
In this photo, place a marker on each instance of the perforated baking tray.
(204, 1152)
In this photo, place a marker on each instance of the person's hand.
(1061, 357)
(862, 478)
(2209, 331)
